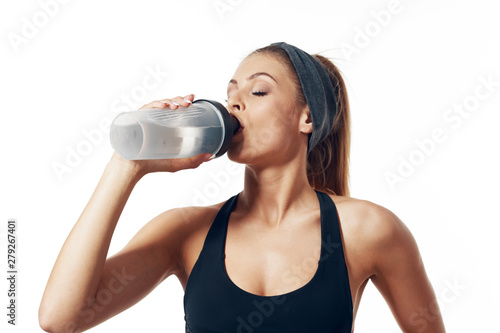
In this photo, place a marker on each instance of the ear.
(305, 122)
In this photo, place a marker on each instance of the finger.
(180, 101)
(195, 161)
(191, 162)
(184, 101)
(189, 98)
(170, 103)
(153, 105)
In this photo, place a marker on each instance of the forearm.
(77, 271)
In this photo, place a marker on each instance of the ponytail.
(328, 162)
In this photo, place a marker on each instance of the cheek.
(273, 130)
(277, 120)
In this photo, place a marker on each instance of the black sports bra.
(213, 303)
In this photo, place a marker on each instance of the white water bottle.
(204, 127)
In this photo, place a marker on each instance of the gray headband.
(318, 91)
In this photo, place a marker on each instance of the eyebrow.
(253, 76)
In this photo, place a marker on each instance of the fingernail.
(174, 103)
(187, 101)
(211, 157)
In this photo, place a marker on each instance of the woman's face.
(262, 96)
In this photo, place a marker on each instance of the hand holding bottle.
(142, 167)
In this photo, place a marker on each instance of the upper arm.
(400, 276)
(132, 273)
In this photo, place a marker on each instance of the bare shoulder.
(374, 229)
(186, 235)
(182, 222)
(191, 219)
(166, 235)
(379, 246)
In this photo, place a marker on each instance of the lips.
(241, 126)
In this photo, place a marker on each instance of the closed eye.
(255, 93)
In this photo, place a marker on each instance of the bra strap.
(215, 240)
(331, 241)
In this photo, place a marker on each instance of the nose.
(234, 103)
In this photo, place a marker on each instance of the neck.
(273, 193)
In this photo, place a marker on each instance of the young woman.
(291, 253)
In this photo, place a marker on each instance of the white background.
(404, 71)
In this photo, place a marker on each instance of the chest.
(268, 279)
(272, 262)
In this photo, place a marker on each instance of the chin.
(236, 155)
(239, 153)
(252, 157)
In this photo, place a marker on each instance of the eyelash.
(256, 93)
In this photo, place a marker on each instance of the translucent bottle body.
(202, 127)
